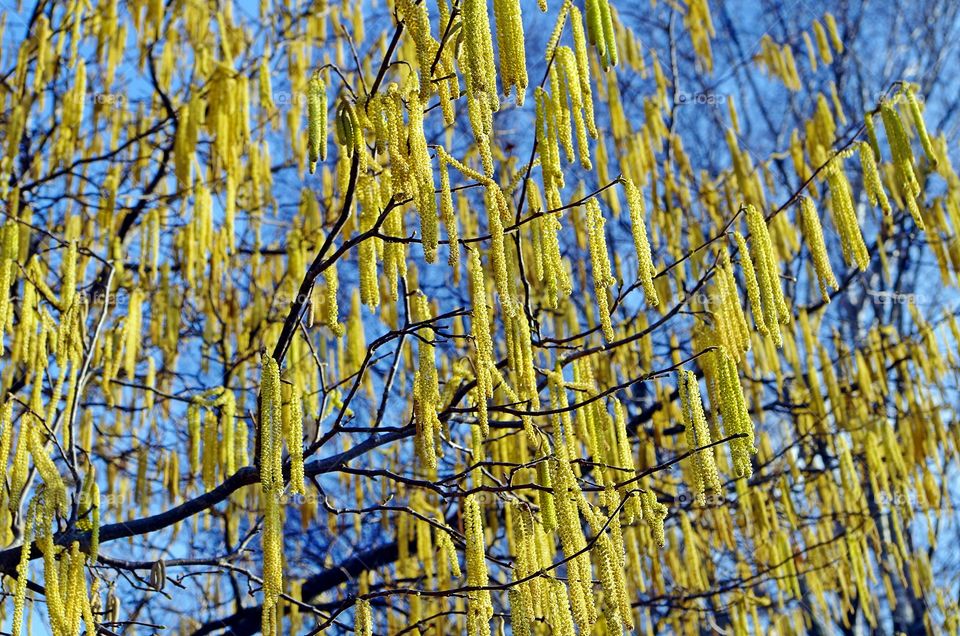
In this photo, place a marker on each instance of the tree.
(436, 316)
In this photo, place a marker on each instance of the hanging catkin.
(813, 235)
(600, 260)
(479, 607)
(640, 241)
(317, 120)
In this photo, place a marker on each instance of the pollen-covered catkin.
(510, 42)
(317, 120)
(479, 71)
(871, 178)
(845, 216)
(583, 67)
(902, 158)
(698, 436)
(813, 235)
(913, 104)
(600, 261)
(480, 329)
(363, 619)
(640, 241)
(9, 248)
(23, 566)
(295, 442)
(426, 389)
(271, 487)
(736, 417)
(479, 607)
(271, 428)
(767, 273)
(654, 513)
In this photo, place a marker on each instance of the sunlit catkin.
(768, 275)
(698, 436)
(271, 428)
(913, 104)
(68, 285)
(640, 241)
(736, 417)
(426, 389)
(295, 442)
(480, 72)
(317, 120)
(600, 260)
(813, 235)
(654, 513)
(510, 42)
(9, 248)
(480, 329)
(363, 619)
(479, 607)
(902, 158)
(845, 216)
(871, 178)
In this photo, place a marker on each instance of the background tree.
(432, 317)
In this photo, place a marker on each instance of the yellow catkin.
(600, 261)
(768, 275)
(813, 235)
(871, 178)
(271, 429)
(610, 55)
(902, 158)
(510, 42)
(331, 309)
(211, 451)
(566, 59)
(193, 436)
(132, 332)
(913, 105)
(449, 552)
(822, 43)
(497, 213)
(698, 436)
(831, 23)
(640, 241)
(583, 67)
(480, 329)
(479, 607)
(736, 417)
(426, 389)
(558, 27)
(9, 248)
(295, 442)
(845, 216)
(654, 513)
(426, 200)
(751, 284)
(449, 218)
(23, 566)
(417, 21)
(317, 120)
(272, 546)
(363, 618)
(68, 286)
(480, 72)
